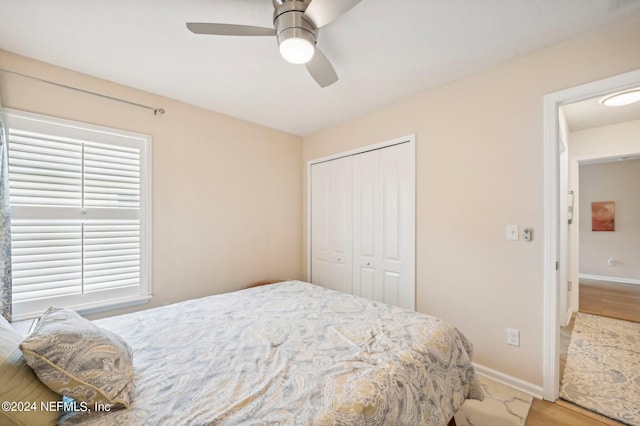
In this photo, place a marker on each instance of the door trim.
(552, 103)
(410, 138)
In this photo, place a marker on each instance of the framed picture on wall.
(603, 216)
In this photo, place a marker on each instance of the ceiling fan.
(296, 25)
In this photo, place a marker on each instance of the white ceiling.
(382, 50)
(591, 113)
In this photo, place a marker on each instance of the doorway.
(556, 291)
(600, 159)
(602, 256)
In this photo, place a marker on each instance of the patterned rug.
(602, 372)
(502, 406)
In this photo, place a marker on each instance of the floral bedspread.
(290, 353)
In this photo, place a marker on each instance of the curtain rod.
(156, 111)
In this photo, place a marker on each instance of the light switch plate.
(513, 337)
(512, 232)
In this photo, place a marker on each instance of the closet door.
(384, 225)
(331, 224)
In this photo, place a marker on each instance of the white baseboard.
(526, 387)
(612, 279)
(569, 315)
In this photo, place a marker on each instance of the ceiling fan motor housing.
(289, 21)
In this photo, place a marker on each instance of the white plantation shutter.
(111, 177)
(45, 170)
(111, 254)
(47, 259)
(80, 225)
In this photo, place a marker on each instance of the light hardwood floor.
(604, 298)
(609, 299)
(544, 413)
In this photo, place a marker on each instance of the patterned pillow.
(78, 359)
(26, 396)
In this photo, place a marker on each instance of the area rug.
(602, 373)
(502, 406)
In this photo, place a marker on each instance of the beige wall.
(227, 194)
(479, 168)
(615, 182)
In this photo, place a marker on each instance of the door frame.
(551, 321)
(410, 139)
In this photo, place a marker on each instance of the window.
(81, 215)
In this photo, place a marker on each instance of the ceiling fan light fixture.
(296, 46)
(626, 97)
(295, 25)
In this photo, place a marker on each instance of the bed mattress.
(290, 353)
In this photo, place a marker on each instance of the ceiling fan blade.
(321, 12)
(321, 69)
(229, 29)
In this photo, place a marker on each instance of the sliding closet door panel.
(383, 230)
(319, 236)
(320, 269)
(339, 205)
(398, 224)
(392, 288)
(331, 224)
(390, 209)
(367, 242)
(366, 281)
(366, 191)
(340, 225)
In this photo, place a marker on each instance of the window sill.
(111, 305)
(94, 308)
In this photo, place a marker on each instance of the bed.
(290, 353)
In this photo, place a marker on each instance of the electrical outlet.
(513, 337)
(512, 232)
